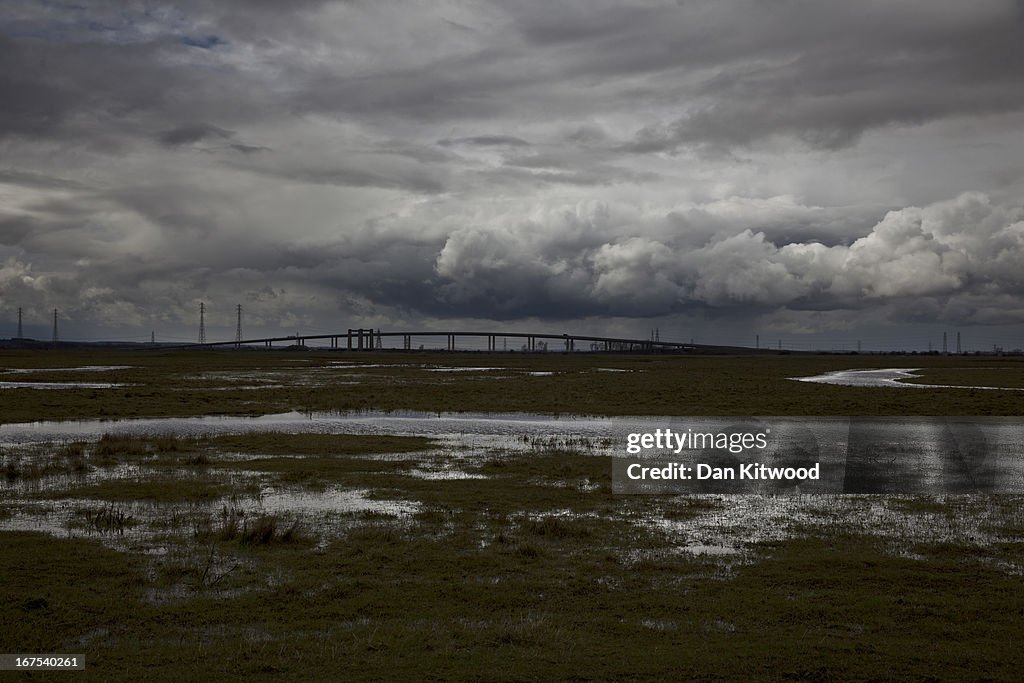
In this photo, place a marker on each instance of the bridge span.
(359, 339)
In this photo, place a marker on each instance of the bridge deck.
(366, 339)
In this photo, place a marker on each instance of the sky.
(810, 173)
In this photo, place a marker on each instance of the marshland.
(315, 514)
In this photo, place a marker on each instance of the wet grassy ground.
(255, 382)
(158, 564)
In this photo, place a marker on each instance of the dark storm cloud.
(203, 42)
(487, 141)
(821, 72)
(528, 160)
(591, 175)
(248, 149)
(840, 82)
(30, 103)
(193, 132)
(394, 177)
(416, 182)
(38, 180)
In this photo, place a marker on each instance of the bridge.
(360, 339)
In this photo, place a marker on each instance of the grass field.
(172, 557)
(253, 382)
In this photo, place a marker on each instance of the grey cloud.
(960, 247)
(486, 141)
(584, 176)
(740, 71)
(840, 79)
(39, 180)
(32, 100)
(28, 107)
(587, 135)
(248, 149)
(730, 160)
(14, 229)
(190, 133)
(409, 180)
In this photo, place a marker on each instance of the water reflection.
(886, 377)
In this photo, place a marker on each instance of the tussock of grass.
(263, 529)
(159, 489)
(107, 519)
(69, 458)
(75, 449)
(12, 469)
(555, 527)
(114, 446)
(259, 531)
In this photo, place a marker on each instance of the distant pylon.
(238, 326)
(202, 322)
(945, 347)
(958, 349)
(20, 335)
(55, 326)
(152, 336)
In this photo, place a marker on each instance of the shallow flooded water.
(14, 384)
(472, 430)
(885, 377)
(60, 385)
(77, 368)
(892, 456)
(857, 455)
